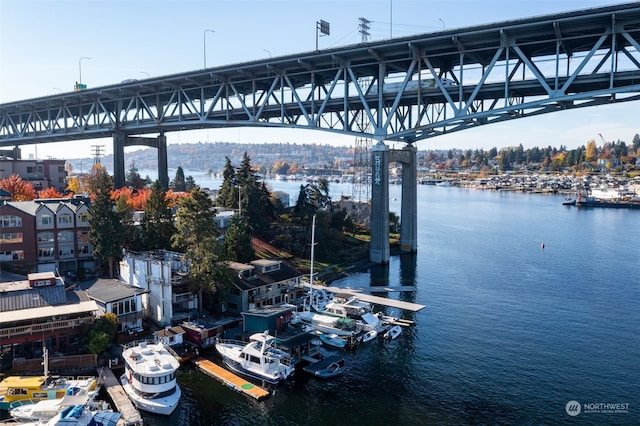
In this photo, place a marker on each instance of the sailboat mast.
(313, 245)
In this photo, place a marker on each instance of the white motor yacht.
(149, 377)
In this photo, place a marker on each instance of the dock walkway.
(228, 378)
(130, 415)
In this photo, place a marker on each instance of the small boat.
(149, 377)
(332, 370)
(83, 415)
(569, 201)
(259, 359)
(81, 392)
(368, 336)
(332, 340)
(393, 332)
(18, 390)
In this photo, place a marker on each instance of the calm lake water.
(511, 333)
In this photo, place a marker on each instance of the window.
(46, 253)
(17, 255)
(83, 217)
(83, 236)
(45, 237)
(10, 222)
(66, 251)
(124, 307)
(65, 236)
(84, 249)
(11, 237)
(60, 169)
(45, 219)
(65, 219)
(31, 169)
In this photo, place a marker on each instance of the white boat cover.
(370, 319)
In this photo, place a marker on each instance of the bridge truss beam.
(409, 89)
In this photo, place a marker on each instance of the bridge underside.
(404, 90)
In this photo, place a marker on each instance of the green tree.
(228, 195)
(197, 235)
(134, 180)
(178, 183)
(98, 342)
(237, 241)
(107, 233)
(250, 198)
(131, 236)
(157, 223)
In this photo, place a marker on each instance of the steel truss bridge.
(405, 90)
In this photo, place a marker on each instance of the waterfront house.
(39, 312)
(163, 274)
(125, 301)
(261, 283)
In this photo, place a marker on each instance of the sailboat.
(324, 323)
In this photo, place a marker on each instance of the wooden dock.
(130, 415)
(231, 380)
(414, 307)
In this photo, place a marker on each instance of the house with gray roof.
(125, 301)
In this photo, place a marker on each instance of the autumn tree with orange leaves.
(50, 192)
(18, 188)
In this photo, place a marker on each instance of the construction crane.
(603, 141)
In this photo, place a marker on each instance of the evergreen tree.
(227, 195)
(197, 235)
(157, 223)
(250, 198)
(179, 184)
(131, 239)
(107, 234)
(134, 180)
(237, 241)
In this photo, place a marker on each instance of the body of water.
(511, 333)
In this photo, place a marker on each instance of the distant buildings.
(42, 174)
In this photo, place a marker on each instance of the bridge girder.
(409, 89)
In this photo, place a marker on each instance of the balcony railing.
(44, 327)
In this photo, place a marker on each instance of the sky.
(45, 45)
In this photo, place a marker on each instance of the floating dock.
(228, 378)
(130, 415)
(316, 364)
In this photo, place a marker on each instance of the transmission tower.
(98, 151)
(364, 29)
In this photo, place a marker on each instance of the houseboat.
(149, 377)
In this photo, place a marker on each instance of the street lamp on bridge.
(204, 44)
(79, 86)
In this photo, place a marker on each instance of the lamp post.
(440, 19)
(80, 68)
(204, 44)
(145, 73)
(268, 51)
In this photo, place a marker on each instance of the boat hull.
(163, 406)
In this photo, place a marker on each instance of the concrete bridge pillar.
(379, 248)
(163, 165)
(409, 206)
(119, 139)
